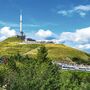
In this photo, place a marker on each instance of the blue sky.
(54, 18)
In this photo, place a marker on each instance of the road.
(73, 67)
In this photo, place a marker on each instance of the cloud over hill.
(6, 32)
(80, 38)
(44, 33)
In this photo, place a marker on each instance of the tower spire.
(21, 22)
(22, 36)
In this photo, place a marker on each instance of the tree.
(42, 53)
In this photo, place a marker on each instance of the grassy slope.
(55, 51)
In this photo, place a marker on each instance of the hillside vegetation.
(57, 52)
(26, 73)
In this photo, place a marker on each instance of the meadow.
(57, 52)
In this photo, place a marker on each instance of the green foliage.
(2, 78)
(12, 63)
(26, 73)
(42, 54)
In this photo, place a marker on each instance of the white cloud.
(85, 46)
(80, 38)
(63, 12)
(82, 10)
(82, 14)
(44, 33)
(2, 38)
(6, 32)
(80, 35)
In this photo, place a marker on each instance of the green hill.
(13, 39)
(57, 52)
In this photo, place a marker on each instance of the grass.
(13, 39)
(57, 52)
